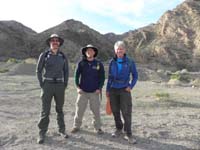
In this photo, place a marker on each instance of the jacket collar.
(50, 52)
(124, 58)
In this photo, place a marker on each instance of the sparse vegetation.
(30, 61)
(4, 70)
(162, 96)
(175, 76)
(181, 76)
(195, 83)
(12, 60)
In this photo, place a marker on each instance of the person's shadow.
(142, 143)
(78, 139)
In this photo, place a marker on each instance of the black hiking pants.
(121, 102)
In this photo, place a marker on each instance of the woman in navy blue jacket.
(122, 77)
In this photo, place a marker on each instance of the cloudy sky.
(105, 16)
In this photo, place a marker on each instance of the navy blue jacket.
(122, 79)
(89, 75)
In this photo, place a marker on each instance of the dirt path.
(172, 123)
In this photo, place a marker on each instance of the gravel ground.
(159, 123)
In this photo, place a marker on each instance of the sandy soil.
(172, 123)
(169, 123)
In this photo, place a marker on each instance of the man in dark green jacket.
(52, 73)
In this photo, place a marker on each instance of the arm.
(39, 68)
(102, 76)
(77, 78)
(77, 75)
(66, 72)
(109, 82)
(134, 74)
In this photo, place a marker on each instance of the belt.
(54, 79)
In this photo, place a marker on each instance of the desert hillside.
(171, 43)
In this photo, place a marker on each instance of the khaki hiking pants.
(81, 105)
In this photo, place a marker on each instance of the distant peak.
(72, 21)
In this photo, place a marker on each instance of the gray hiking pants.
(49, 91)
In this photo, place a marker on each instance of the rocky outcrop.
(19, 41)
(173, 41)
(14, 39)
(76, 35)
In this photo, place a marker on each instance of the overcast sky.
(105, 16)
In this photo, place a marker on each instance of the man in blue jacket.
(89, 80)
(119, 87)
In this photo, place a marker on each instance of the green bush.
(12, 60)
(162, 96)
(184, 77)
(175, 76)
(4, 70)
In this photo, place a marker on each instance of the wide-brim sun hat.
(54, 36)
(84, 49)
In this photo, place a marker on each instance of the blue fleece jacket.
(122, 79)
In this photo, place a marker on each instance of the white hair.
(119, 44)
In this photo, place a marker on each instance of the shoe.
(64, 135)
(117, 133)
(74, 130)
(99, 131)
(130, 139)
(41, 139)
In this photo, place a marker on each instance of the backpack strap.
(63, 55)
(46, 55)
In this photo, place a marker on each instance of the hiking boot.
(41, 138)
(130, 139)
(64, 135)
(74, 130)
(117, 133)
(99, 131)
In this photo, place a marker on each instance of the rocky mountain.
(174, 41)
(76, 35)
(19, 41)
(14, 39)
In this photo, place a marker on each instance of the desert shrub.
(4, 70)
(181, 76)
(30, 61)
(185, 78)
(195, 83)
(175, 76)
(12, 60)
(162, 95)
